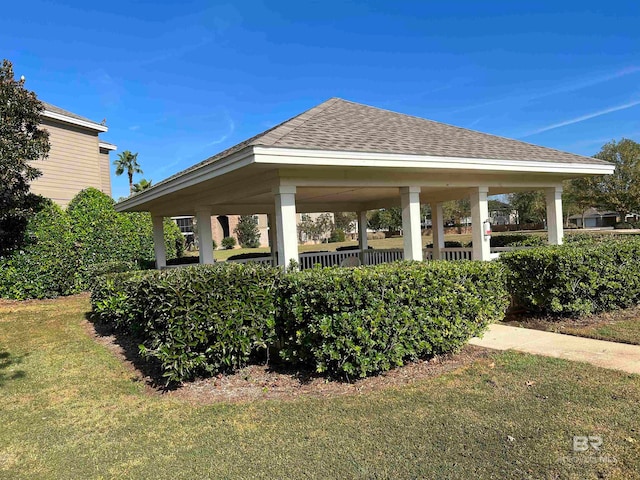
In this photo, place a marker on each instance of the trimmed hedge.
(202, 320)
(575, 279)
(195, 320)
(360, 321)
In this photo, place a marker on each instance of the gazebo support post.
(286, 228)
(479, 214)
(273, 242)
(437, 230)
(159, 247)
(362, 235)
(411, 231)
(554, 215)
(205, 237)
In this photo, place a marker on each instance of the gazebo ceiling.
(347, 156)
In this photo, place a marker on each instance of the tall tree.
(22, 142)
(127, 162)
(578, 196)
(531, 206)
(621, 191)
(345, 221)
(247, 232)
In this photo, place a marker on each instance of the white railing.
(376, 257)
(326, 259)
(450, 253)
(266, 260)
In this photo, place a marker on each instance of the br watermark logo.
(587, 449)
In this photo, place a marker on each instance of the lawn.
(616, 326)
(72, 409)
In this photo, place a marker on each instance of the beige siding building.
(78, 158)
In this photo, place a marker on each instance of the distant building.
(78, 157)
(595, 218)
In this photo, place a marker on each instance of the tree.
(579, 195)
(317, 229)
(127, 162)
(385, 218)
(142, 185)
(247, 232)
(456, 210)
(22, 142)
(621, 191)
(344, 221)
(531, 206)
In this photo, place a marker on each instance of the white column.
(410, 201)
(273, 242)
(437, 230)
(286, 228)
(158, 242)
(480, 213)
(205, 238)
(554, 215)
(362, 235)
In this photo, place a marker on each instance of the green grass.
(71, 409)
(621, 326)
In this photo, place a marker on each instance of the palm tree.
(143, 184)
(127, 161)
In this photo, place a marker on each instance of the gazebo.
(345, 156)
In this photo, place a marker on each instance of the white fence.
(375, 257)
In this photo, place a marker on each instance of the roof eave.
(207, 172)
(328, 158)
(74, 121)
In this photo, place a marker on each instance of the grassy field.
(70, 409)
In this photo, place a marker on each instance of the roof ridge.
(293, 123)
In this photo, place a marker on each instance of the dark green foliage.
(448, 244)
(101, 234)
(44, 265)
(115, 300)
(228, 243)
(337, 235)
(517, 240)
(361, 321)
(210, 318)
(575, 279)
(247, 232)
(183, 261)
(207, 319)
(22, 142)
(65, 251)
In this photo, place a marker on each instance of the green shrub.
(208, 318)
(575, 279)
(115, 300)
(100, 233)
(228, 243)
(44, 266)
(447, 244)
(143, 225)
(360, 321)
(337, 235)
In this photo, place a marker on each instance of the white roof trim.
(75, 121)
(289, 156)
(201, 174)
(107, 146)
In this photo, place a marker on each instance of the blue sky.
(180, 81)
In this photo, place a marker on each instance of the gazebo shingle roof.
(340, 125)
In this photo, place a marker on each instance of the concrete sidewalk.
(617, 356)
